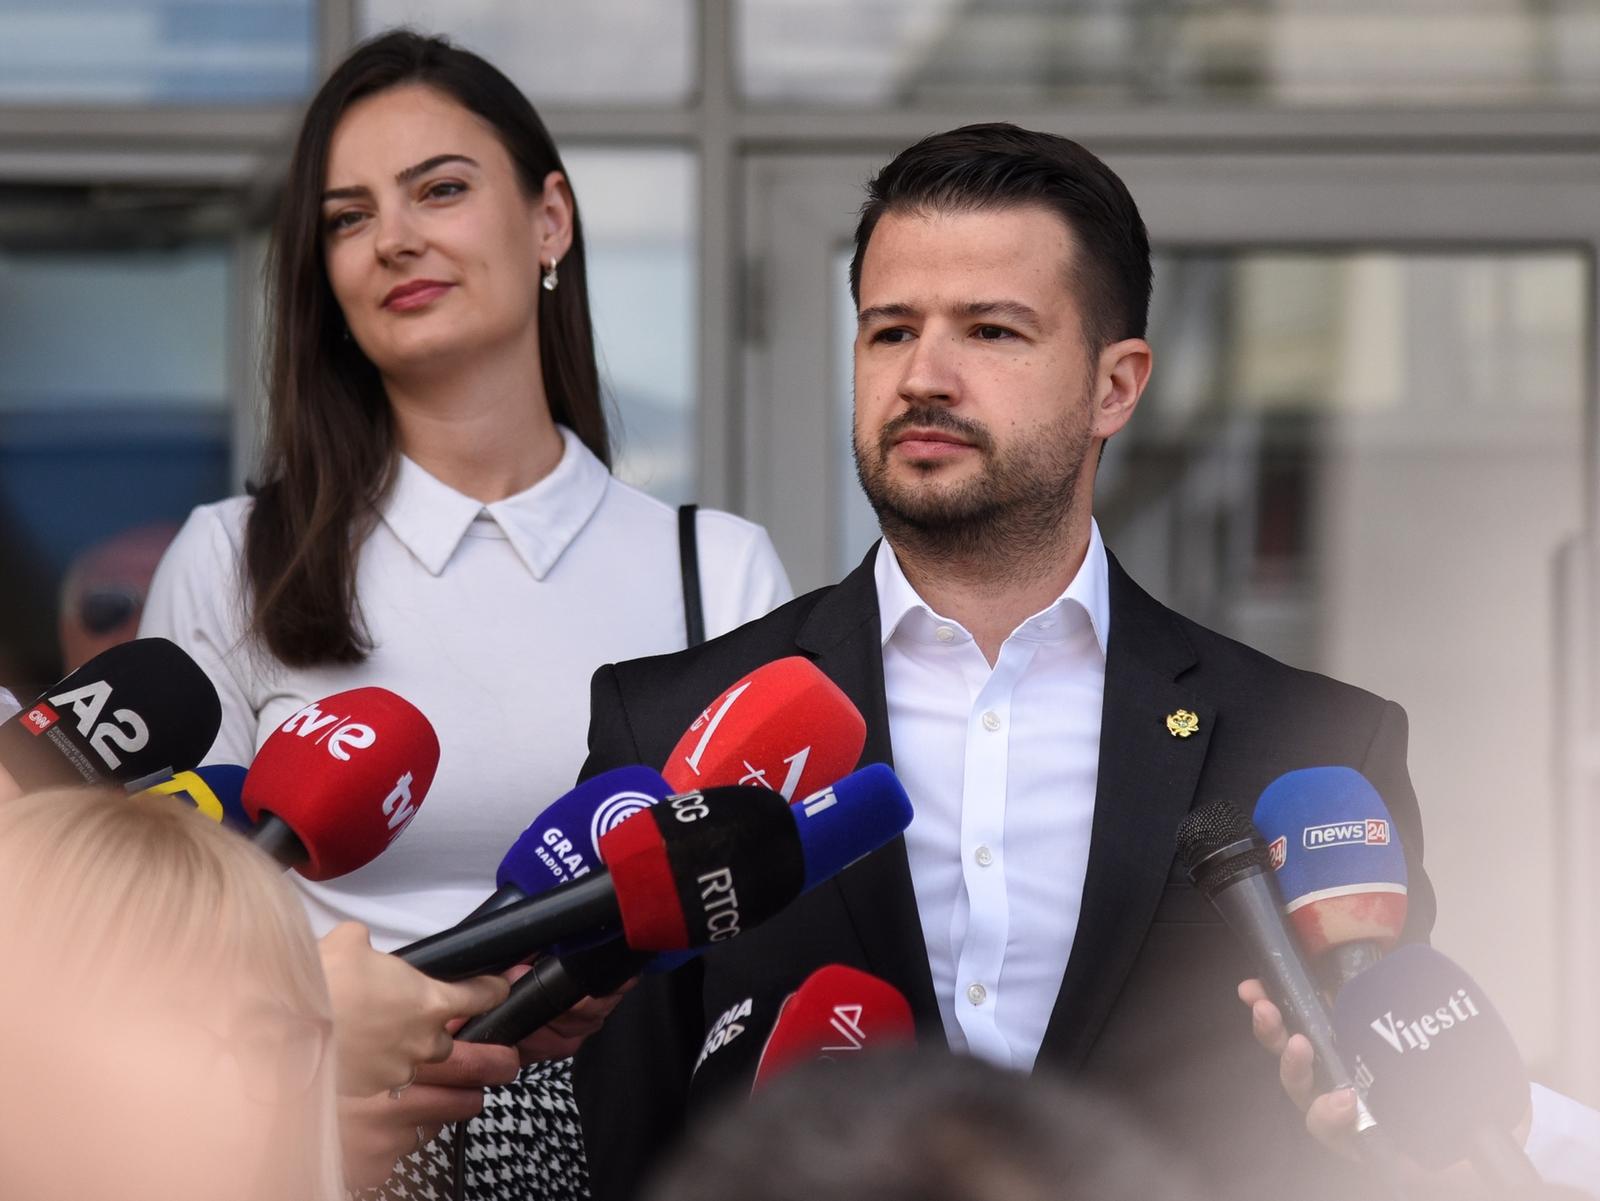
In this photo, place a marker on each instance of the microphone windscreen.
(837, 1012)
(141, 709)
(215, 791)
(704, 866)
(563, 842)
(785, 727)
(849, 819)
(1340, 867)
(1438, 1060)
(347, 774)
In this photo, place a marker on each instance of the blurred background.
(1369, 448)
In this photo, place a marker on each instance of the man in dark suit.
(1052, 722)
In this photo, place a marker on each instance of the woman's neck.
(486, 432)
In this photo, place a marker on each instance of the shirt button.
(991, 721)
(944, 634)
(977, 993)
(984, 856)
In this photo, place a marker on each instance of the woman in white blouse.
(436, 515)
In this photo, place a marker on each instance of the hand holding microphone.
(391, 1018)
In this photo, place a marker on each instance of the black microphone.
(837, 826)
(1231, 866)
(141, 710)
(1441, 1068)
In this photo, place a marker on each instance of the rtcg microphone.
(139, 710)
(837, 1012)
(562, 844)
(1231, 866)
(214, 790)
(1443, 1073)
(785, 726)
(1339, 866)
(340, 780)
(870, 801)
(697, 869)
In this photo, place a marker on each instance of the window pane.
(156, 51)
(638, 214)
(1259, 52)
(596, 52)
(113, 415)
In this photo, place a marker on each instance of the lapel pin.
(1182, 724)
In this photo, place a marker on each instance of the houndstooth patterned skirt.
(526, 1145)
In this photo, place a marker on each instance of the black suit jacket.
(1147, 1011)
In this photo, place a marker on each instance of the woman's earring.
(551, 279)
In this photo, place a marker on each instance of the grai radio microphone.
(138, 711)
(339, 781)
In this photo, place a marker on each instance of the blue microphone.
(1442, 1072)
(562, 843)
(1339, 867)
(213, 790)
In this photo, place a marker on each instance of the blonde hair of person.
(111, 907)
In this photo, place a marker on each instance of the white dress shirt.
(1564, 1142)
(1001, 765)
(491, 620)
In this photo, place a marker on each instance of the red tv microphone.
(340, 780)
(836, 1013)
(785, 726)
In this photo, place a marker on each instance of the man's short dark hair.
(997, 166)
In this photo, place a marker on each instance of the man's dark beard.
(1011, 512)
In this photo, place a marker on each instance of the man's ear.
(1120, 377)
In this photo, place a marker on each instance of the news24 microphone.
(1442, 1070)
(785, 726)
(1339, 866)
(1232, 867)
(837, 826)
(340, 780)
(142, 709)
(562, 844)
(214, 790)
(837, 1011)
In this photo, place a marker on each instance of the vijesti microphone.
(1231, 866)
(339, 781)
(1442, 1071)
(140, 710)
(836, 826)
(785, 726)
(1339, 865)
(837, 1011)
(214, 790)
(562, 844)
(697, 869)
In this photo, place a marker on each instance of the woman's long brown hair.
(330, 443)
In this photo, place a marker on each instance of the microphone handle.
(1250, 907)
(1503, 1165)
(507, 936)
(273, 835)
(554, 985)
(503, 897)
(1343, 963)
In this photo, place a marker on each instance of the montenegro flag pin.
(1182, 724)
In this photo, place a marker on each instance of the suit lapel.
(842, 635)
(1146, 784)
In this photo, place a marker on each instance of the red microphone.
(334, 785)
(785, 726)
(837, 1012)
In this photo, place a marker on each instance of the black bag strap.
(694, 617)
